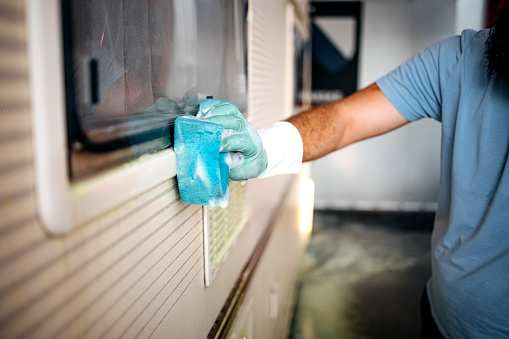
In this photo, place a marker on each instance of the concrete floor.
(362, 276)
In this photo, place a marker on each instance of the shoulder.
(444, 56)
(474, 39)
(472, 44)
(469, 40)
(415, 88)
(440, 57)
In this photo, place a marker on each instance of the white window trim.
(62, 204)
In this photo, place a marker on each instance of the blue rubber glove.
(238, 136)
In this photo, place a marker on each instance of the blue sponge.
(202, 171)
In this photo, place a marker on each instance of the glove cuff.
(283, 145)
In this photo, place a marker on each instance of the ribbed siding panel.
(138, 269)
(267, 63)
(121, 275)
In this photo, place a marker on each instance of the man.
(463, 82)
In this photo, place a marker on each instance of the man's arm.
(363, 115)
(279, 150)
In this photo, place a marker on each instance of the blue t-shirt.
(448, 82)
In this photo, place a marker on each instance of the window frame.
(62, 204)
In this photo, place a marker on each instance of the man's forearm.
(321, 129)
(327, 128)
(303, 137)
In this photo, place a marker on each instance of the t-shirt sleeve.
(414, 88)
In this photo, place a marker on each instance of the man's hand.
(238, 136)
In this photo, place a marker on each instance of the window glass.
(132, 67)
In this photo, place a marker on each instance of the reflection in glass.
(132, 67)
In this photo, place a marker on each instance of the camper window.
(132, 67)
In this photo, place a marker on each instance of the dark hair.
(497, 47)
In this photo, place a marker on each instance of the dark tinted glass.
(132, 67)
